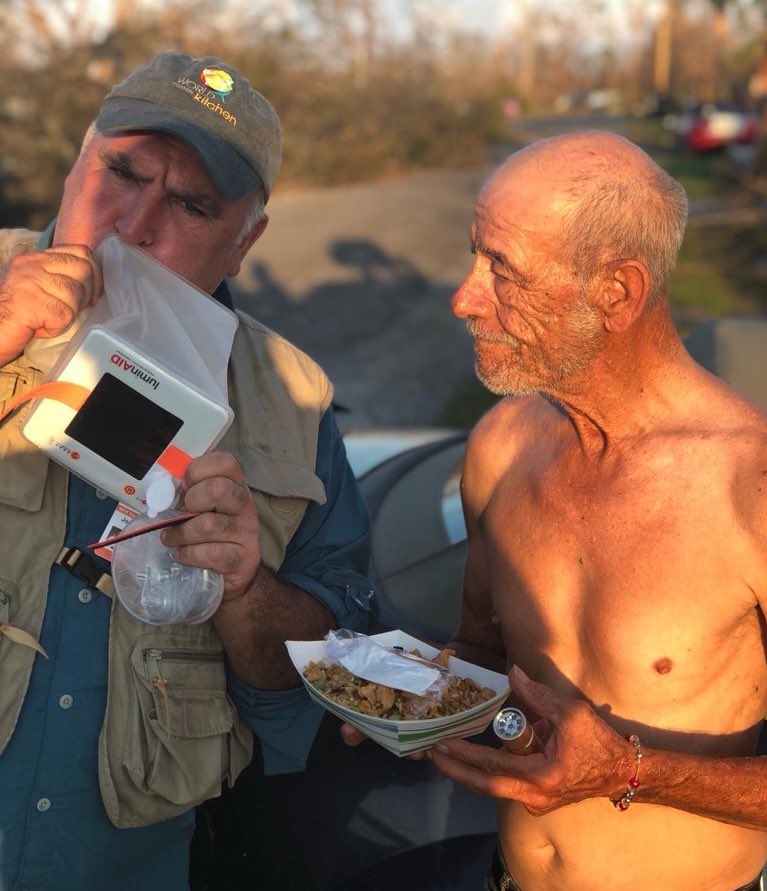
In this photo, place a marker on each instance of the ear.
(624, 294)
(245, 245)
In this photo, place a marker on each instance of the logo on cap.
(217, 80)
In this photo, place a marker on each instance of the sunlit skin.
(532, 325)
(617, 553)
(155, 193)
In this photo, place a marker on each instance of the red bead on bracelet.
(625, 800)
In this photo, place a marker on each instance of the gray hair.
(616, 216)
(256, 214)
(89, 134)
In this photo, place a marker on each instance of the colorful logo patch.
(217, 80)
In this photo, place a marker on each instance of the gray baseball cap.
(209, 105)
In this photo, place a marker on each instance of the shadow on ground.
(381, 330)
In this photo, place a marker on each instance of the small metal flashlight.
(516, 732)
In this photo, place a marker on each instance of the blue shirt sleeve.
(328, 557)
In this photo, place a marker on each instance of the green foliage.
(700, 289)
(702, 175)
(347, 118)
(720, 271)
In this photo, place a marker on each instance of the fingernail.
(519, 673)
(441, 747)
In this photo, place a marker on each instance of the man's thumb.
(537, 696)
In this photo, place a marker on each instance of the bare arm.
(258, 611)
(478, 639)
(731, 790)
(255, 626)
(585, 758)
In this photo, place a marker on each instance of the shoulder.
(734, 446)
(257, 346)
(509, 430)
(734, 424)
(258, 338)
(510, 425)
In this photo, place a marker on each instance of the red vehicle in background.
(715, 125)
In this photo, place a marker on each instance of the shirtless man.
(616, 504)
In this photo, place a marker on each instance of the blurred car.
(715, 125)
(419, 535)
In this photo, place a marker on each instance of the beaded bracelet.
(625, 800)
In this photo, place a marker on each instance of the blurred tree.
(663, 42)
(694, 47)
(359, 94)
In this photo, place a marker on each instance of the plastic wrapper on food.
(371, 661)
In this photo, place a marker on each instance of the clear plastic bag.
(155, 588)
(168, 318)
(373, 662)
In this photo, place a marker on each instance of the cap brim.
(231, 173)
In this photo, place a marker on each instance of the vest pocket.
(182, 749)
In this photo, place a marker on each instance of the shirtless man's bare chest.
(634, 581)
(631, 579)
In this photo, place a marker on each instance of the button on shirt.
(55, 835)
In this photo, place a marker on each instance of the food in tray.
(342, 687)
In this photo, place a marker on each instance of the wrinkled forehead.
(151, 153)
(523, 203)
(149, 143)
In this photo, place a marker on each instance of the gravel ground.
(360, 277)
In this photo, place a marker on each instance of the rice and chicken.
(377, 700)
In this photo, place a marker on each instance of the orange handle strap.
(73, 395)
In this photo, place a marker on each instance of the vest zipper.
(154, 656)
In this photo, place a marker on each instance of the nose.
(470, 300)
(138, 221)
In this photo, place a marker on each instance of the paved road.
(361, 277)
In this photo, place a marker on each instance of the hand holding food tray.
(405, 735)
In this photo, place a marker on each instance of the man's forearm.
(731, 790)
(254, 626)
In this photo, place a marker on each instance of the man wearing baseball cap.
(104, 758)
(209, 105)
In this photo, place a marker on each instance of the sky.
(487, 16)
(483, 15)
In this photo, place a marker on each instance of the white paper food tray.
(404, 737)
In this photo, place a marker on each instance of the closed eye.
(122, 171)
(189, 207)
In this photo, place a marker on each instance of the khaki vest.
(170, 733)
